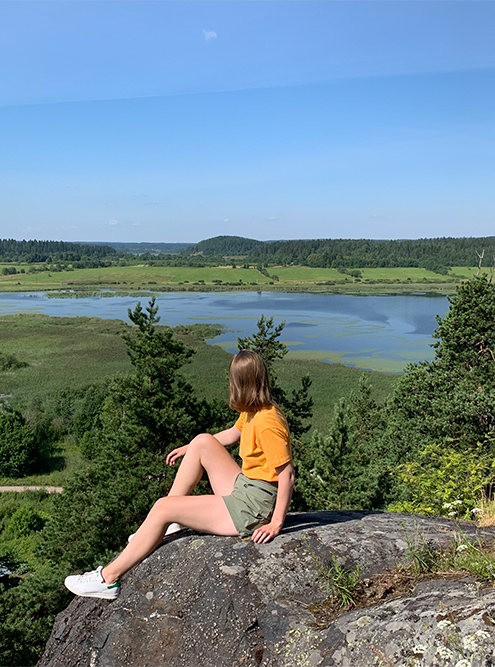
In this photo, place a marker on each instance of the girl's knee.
(159, 506)
(203, 440)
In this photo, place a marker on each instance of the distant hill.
(434, 254)
(151, 248)
(226, 246)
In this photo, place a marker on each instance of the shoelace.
(95, 575)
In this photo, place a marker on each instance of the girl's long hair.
(248, 383)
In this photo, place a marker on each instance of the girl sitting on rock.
(251, 502)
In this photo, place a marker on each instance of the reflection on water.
(379, 332)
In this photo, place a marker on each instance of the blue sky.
(177, 121)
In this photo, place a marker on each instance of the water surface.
(379, 332)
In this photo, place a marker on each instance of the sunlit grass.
(469, 271)
(123, 279)
(306, 274)
(60, 352)
(415, 274)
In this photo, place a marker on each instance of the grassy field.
(306, 274)
(74, 352)
(60, 352)
(126, 279)
(303, 274)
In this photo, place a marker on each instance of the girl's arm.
(270, 530)
(228, 437)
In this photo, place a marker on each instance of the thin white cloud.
(235, 88)
(113, 222)
(209, 35)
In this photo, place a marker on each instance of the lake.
(377, 332)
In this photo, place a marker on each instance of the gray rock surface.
(207, 601)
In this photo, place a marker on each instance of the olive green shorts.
(251, 503)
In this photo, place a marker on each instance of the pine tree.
(343, 467)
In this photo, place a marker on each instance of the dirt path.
(19, 489)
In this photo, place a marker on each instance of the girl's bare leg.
(206, 513)
(205, 453)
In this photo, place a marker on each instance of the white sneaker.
(92, 585)
(173, 528)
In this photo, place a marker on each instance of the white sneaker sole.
(102, 595)
(108, 594)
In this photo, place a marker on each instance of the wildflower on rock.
(476, 510)
(445, 624)
(463, 663)
(452, 513)
(447, 506)
(462, 547)
(470, 644)
(482, 634)
(444, 653)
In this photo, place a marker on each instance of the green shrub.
(444, 481)
(18, 449)
(25, 521)
(10, 362)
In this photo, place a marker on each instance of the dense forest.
(33, 251)
(432, 254)
(439, 254)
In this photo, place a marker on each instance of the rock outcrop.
(207, 601)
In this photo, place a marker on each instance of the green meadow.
(126, 279)
(59, 352)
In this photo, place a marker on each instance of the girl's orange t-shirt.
(265, 443)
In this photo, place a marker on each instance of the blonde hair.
(249, 387)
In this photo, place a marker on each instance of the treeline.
(34, 251)
(438, 254)
(360, 253)
(433, 254)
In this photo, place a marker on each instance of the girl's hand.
(266, 533)
(175, 454)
